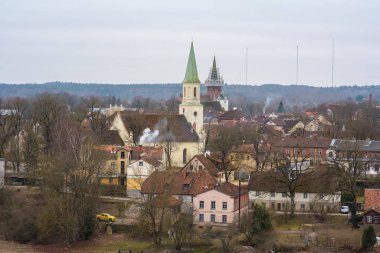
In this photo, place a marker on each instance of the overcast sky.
(119, 41)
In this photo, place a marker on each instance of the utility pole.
(239, 195)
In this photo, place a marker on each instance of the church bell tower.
(191, 106)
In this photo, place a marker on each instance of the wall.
(2, 172)
(313, 201)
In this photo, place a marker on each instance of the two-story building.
(220, 206)
(182, 185)
(315, 192)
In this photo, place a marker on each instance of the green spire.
(191, 75)
(214, 72)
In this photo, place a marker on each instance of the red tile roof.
(372, 198)
(178, 183)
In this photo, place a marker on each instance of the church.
(183, 132)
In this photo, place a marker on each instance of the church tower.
(191, 106)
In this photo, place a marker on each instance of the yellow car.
(105, 217)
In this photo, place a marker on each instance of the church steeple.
(191, 75)
(191, 106)
(214, 71)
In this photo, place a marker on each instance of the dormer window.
(186, 186)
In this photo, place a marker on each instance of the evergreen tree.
(256, 222)
(369, 237)
(281, 108)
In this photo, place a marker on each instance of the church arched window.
(195, 92)
(183, 110)
(184, 92)
(184, 155)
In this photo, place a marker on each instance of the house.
(315, 192)
(292, 125)
(244, 157)
(182, 185)
(2, 172)
(368, 151)
(220, 206)
(114, 172)
(201, 163)
(231, 118)
(371, 199)
(319, 124)
(371, 216)
(310, 149)
(140, 169)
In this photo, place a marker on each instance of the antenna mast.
(246, 66)
(332, 65)
(297, 68)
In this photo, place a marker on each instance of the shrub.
(368, 238)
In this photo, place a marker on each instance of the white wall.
(2, 172)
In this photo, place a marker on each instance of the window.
(122, 181)
(201, 204)
(284, 194)
(195, 92)
(305, 195)
(195, 114)
(319, 151)
(224, 218)
(184, 154)
(141, 163)
(200, 167)
(303, 151)
(201, 217)
(183, 110)
(331, 154)
(191, 167)
(213, 205)
(258, 193)
(122, 155)
(113, 166)
(224, 206)
(287, 151)
(110, 180)
(122, 167)
(302, 206)
(273, 194)
(311, 151)
(369, 219)
(272, 205)
(212, 217)
(295, 151)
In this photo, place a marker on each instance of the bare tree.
(289, 170)
(225, 139)
(350, 164)
(45, 112)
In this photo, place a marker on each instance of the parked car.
(344, 209)
(105, 217)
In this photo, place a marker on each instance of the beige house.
(140, 170)
(315, 194)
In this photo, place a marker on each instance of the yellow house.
(114, 172)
